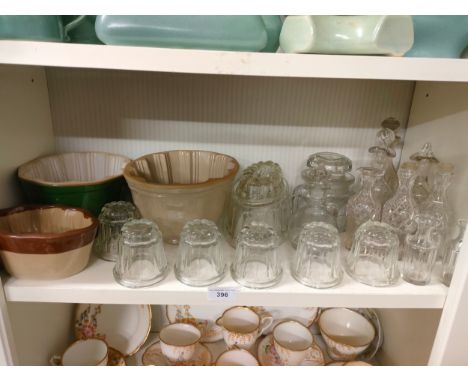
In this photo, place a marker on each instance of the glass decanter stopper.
(366, 204)
(260, 195)
(399, 210)
(339, 183)
(309, 204)
(386, 136)
(451, 254)
(426, 159)
(437, 204)
(420, 250)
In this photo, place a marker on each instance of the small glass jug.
(141, 261)
(316, 262)
(309, 204)
(257, 263)
(200, 259)
(111, 220)
(373, 259)
(339, 183)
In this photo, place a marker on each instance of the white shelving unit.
(231, 63)
(96, 285)
(57, 96)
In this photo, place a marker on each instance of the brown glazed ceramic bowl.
(46, 242)
(174, 187)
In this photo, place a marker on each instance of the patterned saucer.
(153, 356)
(268, 356)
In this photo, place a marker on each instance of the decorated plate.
(124, 327)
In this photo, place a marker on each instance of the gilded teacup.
(236, 357)
(346, 333)
(178, 341)
(242, 326)
(292, 342)
(86, 352)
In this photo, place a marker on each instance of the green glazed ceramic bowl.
(87, 180)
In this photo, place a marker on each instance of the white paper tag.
(222, 294)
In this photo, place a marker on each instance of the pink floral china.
(268, 356)
(178, 341)
(153, 356)
(242, 326)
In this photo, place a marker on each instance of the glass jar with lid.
(261, 195)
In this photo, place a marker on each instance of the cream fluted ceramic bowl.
(174, 187)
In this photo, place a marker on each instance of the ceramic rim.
(332, 337)
(29, 240)
(135, 180)
(84, 340)
(297, 322)
(180, 323)
(21, 169)
(244, 308)
(239, 350)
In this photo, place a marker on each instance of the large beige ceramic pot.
(174, 187)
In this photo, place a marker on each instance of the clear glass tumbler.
(260, 195)
(373, 259)
(111, 220)
(257, 263)
(316, 262)
(200, 260)
(141, 261)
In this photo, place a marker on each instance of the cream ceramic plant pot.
(174, 187)
(46, 242)
(377, 35)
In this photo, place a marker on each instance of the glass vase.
(420, 251)
(437, 206)
(366, 204)
(425, 159)
(399, 210)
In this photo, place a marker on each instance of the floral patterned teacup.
(292, 342)
(346, 333)
(178, 341)
(242, 326)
